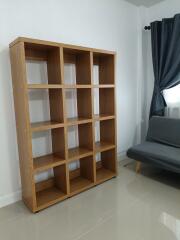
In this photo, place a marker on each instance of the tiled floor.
(130, 207)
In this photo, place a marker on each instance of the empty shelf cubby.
(78, 105)
(77, 69)
(104, 135)
(48, 149)
(104, 102)
(105, 165)
(51, 189)
(81, 174)
(45, 108)
(80, 141)
(103, 70)
(42, 64)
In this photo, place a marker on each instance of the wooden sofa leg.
(138, 167)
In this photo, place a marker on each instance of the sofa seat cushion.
(162, 155)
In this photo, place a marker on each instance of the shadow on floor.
(163, 176)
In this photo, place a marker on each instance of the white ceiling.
(146, 3)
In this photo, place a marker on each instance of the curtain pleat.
(165, 38)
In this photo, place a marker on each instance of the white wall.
(165, 9)
(101, 24)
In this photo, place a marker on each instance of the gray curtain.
(165, 37)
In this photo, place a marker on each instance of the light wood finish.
(85, 143)
(53, 66)
(78, 120)
(84, 103)
(103, 174)
(105, 168)
(18, 70)
(78, 152)
(65, 183)
(106, 67)
(41, 43)
(42, 126)
(104, 86)
(79, 184)
(69, 86)
(48, 197)
(138, 167)
(99, 117)
(44, 86)
(48, 161)
(56, 103)
(82, 178)
(105, 106)
(103, 146)
(58, 142)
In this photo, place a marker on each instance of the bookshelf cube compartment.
(104, 135)
(78, 104)
(81, 174)
(104, 102)
(103, 68)
(42, 64)
(52, 187)
(80, 141)
(46, 108)
(76, 67)
(48, 149)
(105, 165)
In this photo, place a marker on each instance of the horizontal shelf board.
(103, 174)
(40, 126)
(103, 146)
(47, 44)
(49, 196)
(79, 184)
(44, 86)
(48, 161)
(103, 117)
(68, 86)
(78, 152)
(77, 86)
(78, 120)
(104, 86)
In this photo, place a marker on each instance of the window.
(172, 97)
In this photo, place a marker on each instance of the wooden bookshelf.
(74, 169)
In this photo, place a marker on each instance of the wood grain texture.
(39, 43)
(78, 152)
(138, 167)
(65, 183)
(42, 126)
(84, 103)
(20, 93)
(106, 101)
(47, 161)
(44, 86)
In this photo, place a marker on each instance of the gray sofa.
(162, 146)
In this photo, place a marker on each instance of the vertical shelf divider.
(93, 122)
(65, 118)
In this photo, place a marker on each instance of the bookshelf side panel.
(20, 93)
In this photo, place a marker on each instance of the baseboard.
(121, 156)
(10, 198)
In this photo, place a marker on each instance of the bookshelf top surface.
(41, 43)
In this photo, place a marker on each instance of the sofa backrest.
(164, 130)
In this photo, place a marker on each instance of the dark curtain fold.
(165, 38)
